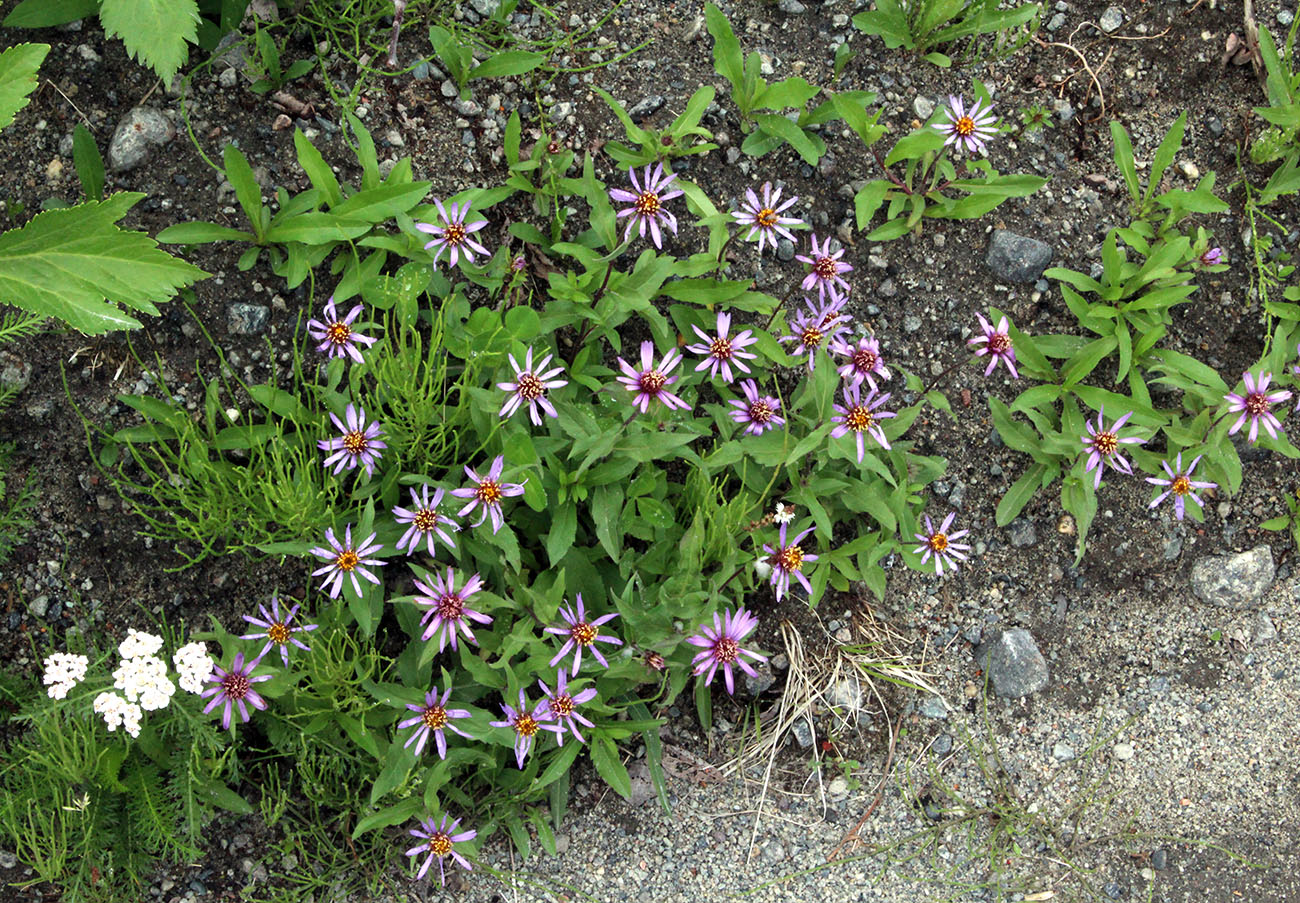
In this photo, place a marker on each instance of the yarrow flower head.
(454, 235)
(968, 129)
(276, 630)
(336, 336)
(526, 724)
(193, 665)
(433, 717)
(1255, 405)
(359, 445)
(346, 560)
(139, 644)
(764, 218)
(816, 327)
(1180, 484)
(721, 647)
(648, 203)
(447, 612)
(860, 417)
(651, 383)
(996, 343)
(118, 712)
(580, 634)
(563, 707)
(723, 351)
(425, 520)
(826, 269)
(487, 491)
(144, 680)
(437, 839)
(530, 385)
(1102, 446)
(63, 671)
(941, 544)
(757, 412)
(863, 361)
(787, 560)
(234, 688)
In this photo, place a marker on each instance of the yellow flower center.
(653, 381)
(864, 359)
(1106, 443)
(1181, 485)
(811, 337)
(859, 419)
(725, 650)
(425, 520)
(760, 412)
(526, 725)
(789, 558)
(583, 633)
(347, 560)
(999, 343)
(440, 845)
(766, 218)
(489, 492)
(720, 348)
(278, 633)
(938, 542)
(454, 234)
(1256, 403)
(338, 333)
(964, 126)
(530, 387)
(434, 717)
(562, 705)
(825, 267)
(354, 443)
(647, 203)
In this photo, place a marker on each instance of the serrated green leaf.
(75, 264)
(18, 68)
(155, 32)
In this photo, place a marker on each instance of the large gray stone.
(247, 319)
(1233, 581)
(1013, 663)
(139, 130)
(1017, 258)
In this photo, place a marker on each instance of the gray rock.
(1013, 663)
(933, 707)
(421, 71)
(1159, 860)
(1264, 632)
(137, 132)
(784, 249)
(485, 8)
(1233, 581)
(1017, 258)
(247, 319)
(1056, 22)
(847, 693)
(643, 787)
(911, 323)
(1062, 752)
(229, 77)
(887, 289)
(1122, 751)
(39, 606)
(15, 373)
(561, 111)
(8, 860)
(1021, 532)
(1111, 19)
(791, 7)
(449, 88)
(757, 683)
(923, 107)
(643, 108)
(803, 733)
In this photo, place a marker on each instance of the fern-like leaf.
(155, 32)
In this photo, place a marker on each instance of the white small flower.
(762, 568)
(193, 666)
(139, 644)
(118, 712)
(145, 680)
(63, 671)
(783, 514)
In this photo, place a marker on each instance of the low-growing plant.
(1281, 140)
(680, 138)
(922, 25)
(271, 74)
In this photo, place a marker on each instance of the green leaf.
(727, 58)
(404, 811)
(564, 527)
(18, 68)
(1124, 160)
(76, 265)
(1019, 494)
(383, 202)
(318, 171)
(506, 63)
(89, 164)
(1164, 155)
(198, 233)
(604, 755)
(247, 191)
(867, 201)
(316, 229)
(804, 142)
(1087, 359)
(154, 31)
(44, 13)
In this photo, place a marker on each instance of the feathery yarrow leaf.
(75, 264)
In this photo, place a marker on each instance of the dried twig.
(287, 103)
(84, 117)
(399, 8)
(880, 795)
(1096, 83)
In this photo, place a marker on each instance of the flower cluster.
(117, 712)
(144, 680)
(193, 665)
(63, 671)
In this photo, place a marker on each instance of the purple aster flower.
(530, 385)
(826, 269)
(437, 839)
(765, 219)
(1180, 484)
(757, 412)
(526, 724)
(337, 337)
(650, 382)
(345, 560)
(1103, 445)
(1212, 257)
(1254, 405)
(996, 343)
(359, 444)
(721, 646)
(455, 234)
(426, 522)
(433, 717)
(234, 687)
(647, 203)
(582, 634)
(447, 610)
(816, 327)
(864, 361)
(277, 630)
(487, 491)
(723, 350)
(786, 559)
(939, 543)
(969, 129)
(563, 707)
(859, 416)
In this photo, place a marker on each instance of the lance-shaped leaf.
(76, 265)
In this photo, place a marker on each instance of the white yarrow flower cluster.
(118, 712)
(63, 671)
(139, 644)
(144, 680)
(193, 666)
(784, 513)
